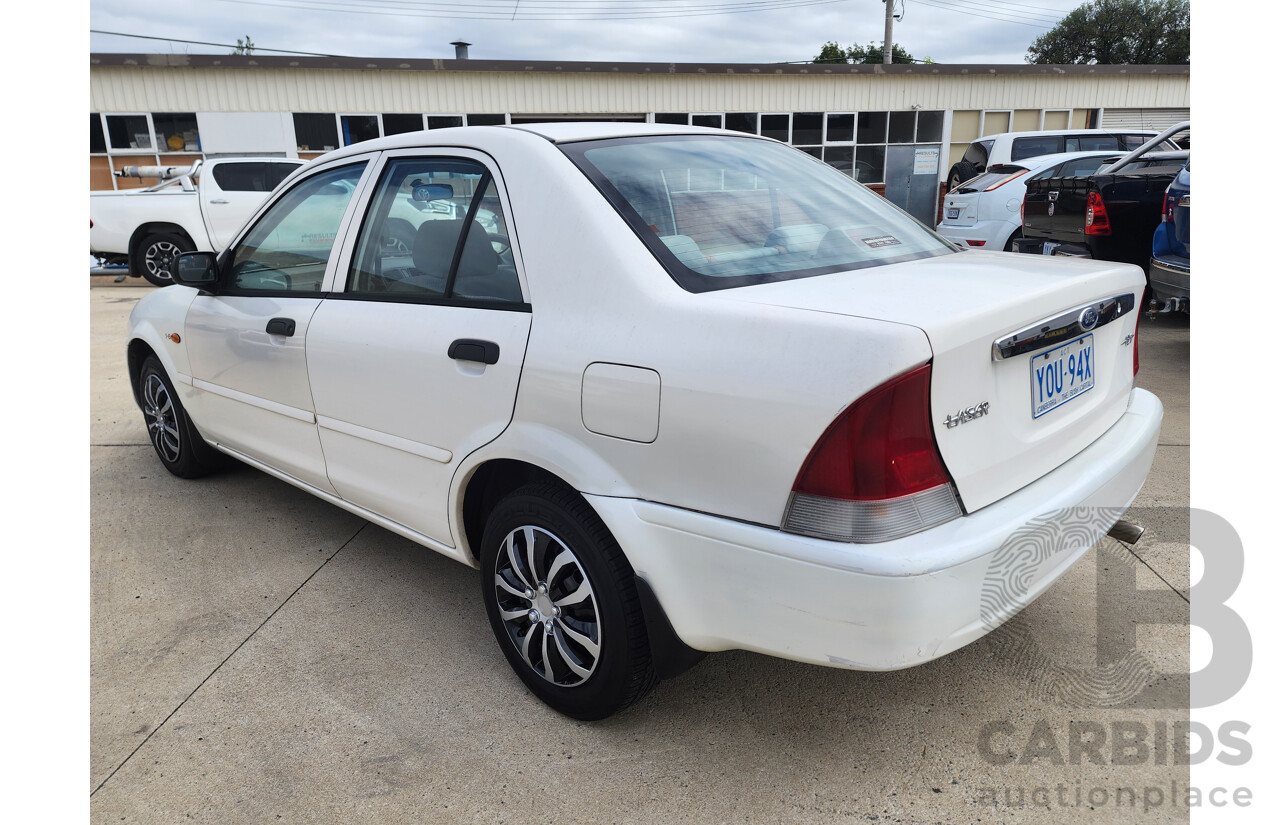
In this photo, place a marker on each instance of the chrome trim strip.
(254, 401)
(1062, 327)
(395, 442)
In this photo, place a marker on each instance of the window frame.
(364, 199)
(151, 133)
(341, 244)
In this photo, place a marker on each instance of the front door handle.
(219, 200)
(281, 326)
(473, 349)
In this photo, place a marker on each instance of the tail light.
(1165, 215)
(1096, 221)
(976, 243)
(876, 473)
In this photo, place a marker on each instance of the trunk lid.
(960, 209)
(964, 303)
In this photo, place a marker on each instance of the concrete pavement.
(260, 656)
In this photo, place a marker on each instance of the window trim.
(341, 244)
(338, 287)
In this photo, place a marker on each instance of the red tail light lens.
(1165, 214)
(876, 473)
(976, 243)
(1096, 221)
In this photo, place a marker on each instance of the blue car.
(1171, 247)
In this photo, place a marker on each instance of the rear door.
(415, 358)
(232, 190)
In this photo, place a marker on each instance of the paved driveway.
(261, 656)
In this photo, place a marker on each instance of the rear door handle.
(220, 200)
(281, 326)
(473, 349)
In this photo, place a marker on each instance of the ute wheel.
(179, 445)
(561, 598)
(1008, 245)
(157, 255)
(960, 173)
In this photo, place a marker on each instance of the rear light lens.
(1096, 221)
(876, 473)
(976, 243)
(1165, 214)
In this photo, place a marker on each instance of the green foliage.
(833, 52)
(244, 46)
(1119, 31)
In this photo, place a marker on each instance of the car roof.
(1052, 132)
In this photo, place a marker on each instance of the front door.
(414, 364)
(246, 342)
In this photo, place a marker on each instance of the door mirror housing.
(197, 269)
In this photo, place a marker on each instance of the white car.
(705, 393)
(985, 212)
(1011, 147)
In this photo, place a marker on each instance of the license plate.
(1048, 248)
(1061, 374)
(952, 214)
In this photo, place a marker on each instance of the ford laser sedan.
(671, 390)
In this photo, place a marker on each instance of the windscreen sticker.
(881, 240)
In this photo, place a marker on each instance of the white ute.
(193, 208)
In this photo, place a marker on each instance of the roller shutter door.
(1155, 120)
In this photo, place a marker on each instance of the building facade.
(895, 128)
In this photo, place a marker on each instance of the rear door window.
(978, 152)
(251, 176)
(1094, 143)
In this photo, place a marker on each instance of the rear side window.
(1031, 147)
(254, 176)
(977, 153)
(1094, 143)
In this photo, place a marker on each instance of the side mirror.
(197, 269)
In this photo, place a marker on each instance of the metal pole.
(888, 31)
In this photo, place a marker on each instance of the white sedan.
(985, 212)
(681, 390)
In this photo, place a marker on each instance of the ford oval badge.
(1088, 318)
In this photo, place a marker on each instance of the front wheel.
(157, 256)
(177, 443)
(561, 598)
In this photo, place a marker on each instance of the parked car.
(201, 206)
(1109, 215)
(986, 211)
(1171, 247)
(704, 393)
(1011, 147)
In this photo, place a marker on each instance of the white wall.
(246, 133)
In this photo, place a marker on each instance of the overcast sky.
(948, 31)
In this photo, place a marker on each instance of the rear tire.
(1008, 245)
(547, 560)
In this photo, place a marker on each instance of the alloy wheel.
(161, 418)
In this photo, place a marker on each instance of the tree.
(833, 52)
(244, 46)
(1119, 31)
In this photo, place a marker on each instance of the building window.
(902, 127)
(399, 124)
(872, 127)
(840, 127)
(486, 120)
(176, 131)
(715, 121)
(672, 118)
(443, 121)
(741, 121)
(97, 140)
(777, 127)
(868, 164)
(806, 128)
(315, 132)
(929, 127)
(358, 128)
(129, 132)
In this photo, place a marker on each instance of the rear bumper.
(1036, 246)
(993, 234)
(1171, 278)
(728, 585)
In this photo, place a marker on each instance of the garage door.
(1156, 120)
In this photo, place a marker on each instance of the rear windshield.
(722, 212)
(994, 174)
(251, 176)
